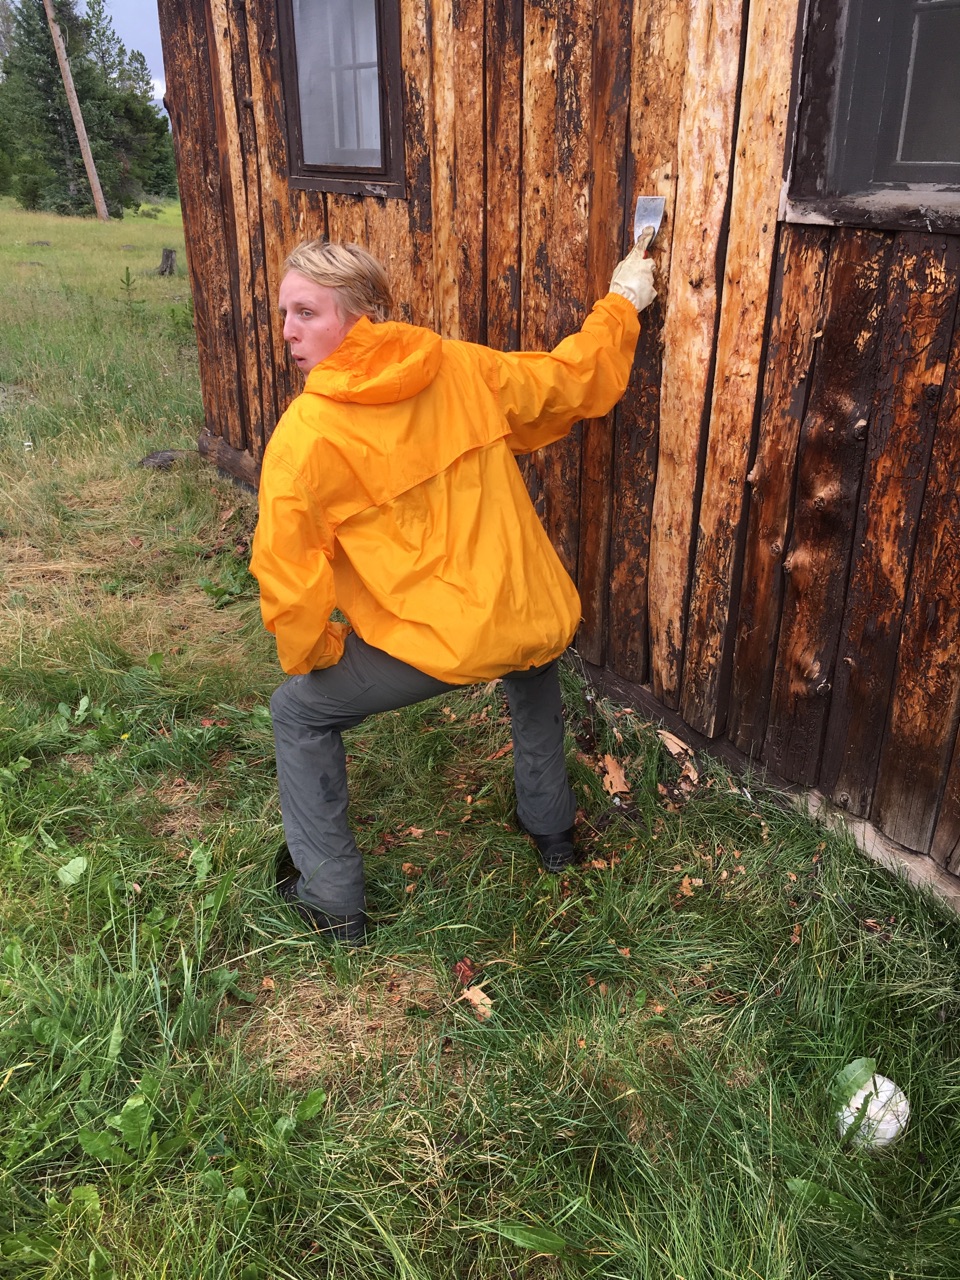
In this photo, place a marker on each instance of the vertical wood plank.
(925, 710)
(187, 58)
(257, 313)
(829, 474)
(945, 847)
(916, 338)
(503, 85)
(248, 429)
(469, 168)
(539, 109)
(444, 74)
(567, 300)
(757, 181)
(704, 146)
(280, 206)
(658, 48)
(796, 318)
(400, 232)
(609, 105)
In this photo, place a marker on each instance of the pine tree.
(129, 137)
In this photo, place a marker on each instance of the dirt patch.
(314, 1030)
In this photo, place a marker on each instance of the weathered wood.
(469, 168)
(279, 204)
(757, 181)
(925, 707)
(501, 199)
(796, 318)
(239, 463)
(567, 300)
(829, 470)
(400, 232)
(457, 166)
(610, 100)
(168, 263)
(704, 147)
(257, 313)
(538, 106)
(443, 80)
(247, 432)
(915, 344)
(658, 48)
(945, 847)
(187, 62)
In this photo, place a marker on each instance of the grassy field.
(189, 1087)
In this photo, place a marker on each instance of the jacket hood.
(378, 364)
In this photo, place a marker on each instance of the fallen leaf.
(791, 877)
(689, 777)
(581, 1044)
(624, 951)
(410, 869)
(410, 888)
(502, 752)
(465, 971)
(268, 984)
(674, 745)
(686, 887)
(416, 831)
(795, 936)
(615, 783)
(481, 1002)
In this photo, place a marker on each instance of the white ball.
(885, 1115)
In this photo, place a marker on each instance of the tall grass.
(190, 1087)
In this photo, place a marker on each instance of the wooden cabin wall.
(764, 531)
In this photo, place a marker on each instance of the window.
(341, 80)
(878, 125)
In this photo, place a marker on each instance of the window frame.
(823, 97)
(388, 180)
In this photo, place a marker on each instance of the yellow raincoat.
(389, 490)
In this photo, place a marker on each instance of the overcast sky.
(138, 26)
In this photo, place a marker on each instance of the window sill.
(918, 209)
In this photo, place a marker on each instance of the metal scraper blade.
(648, 213)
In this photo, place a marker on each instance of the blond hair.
(360, 281)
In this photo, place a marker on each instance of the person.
(389, 492)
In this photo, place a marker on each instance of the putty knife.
(648, 213)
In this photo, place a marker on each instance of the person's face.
(312, 326)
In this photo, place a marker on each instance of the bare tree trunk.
(98, 200)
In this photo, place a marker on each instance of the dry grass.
(313, 1029)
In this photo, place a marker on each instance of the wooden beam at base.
(917, 869)
(240, 465)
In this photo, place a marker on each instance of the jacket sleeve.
(292, 550)
(543, 394)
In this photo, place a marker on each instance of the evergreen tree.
(129, 137)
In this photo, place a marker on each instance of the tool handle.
(644, 240)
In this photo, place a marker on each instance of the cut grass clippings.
(622, 1073)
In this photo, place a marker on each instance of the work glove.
(633, 277)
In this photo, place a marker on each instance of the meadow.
(627, 1072)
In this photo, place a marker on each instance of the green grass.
(191, 1088)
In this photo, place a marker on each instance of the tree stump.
(168, 263)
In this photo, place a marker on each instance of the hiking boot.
(557, 852)
(350, 930)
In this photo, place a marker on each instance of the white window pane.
(931, 118)
(339, 82)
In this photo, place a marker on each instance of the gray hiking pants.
(309, 714)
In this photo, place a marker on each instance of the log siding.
(765, 531)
